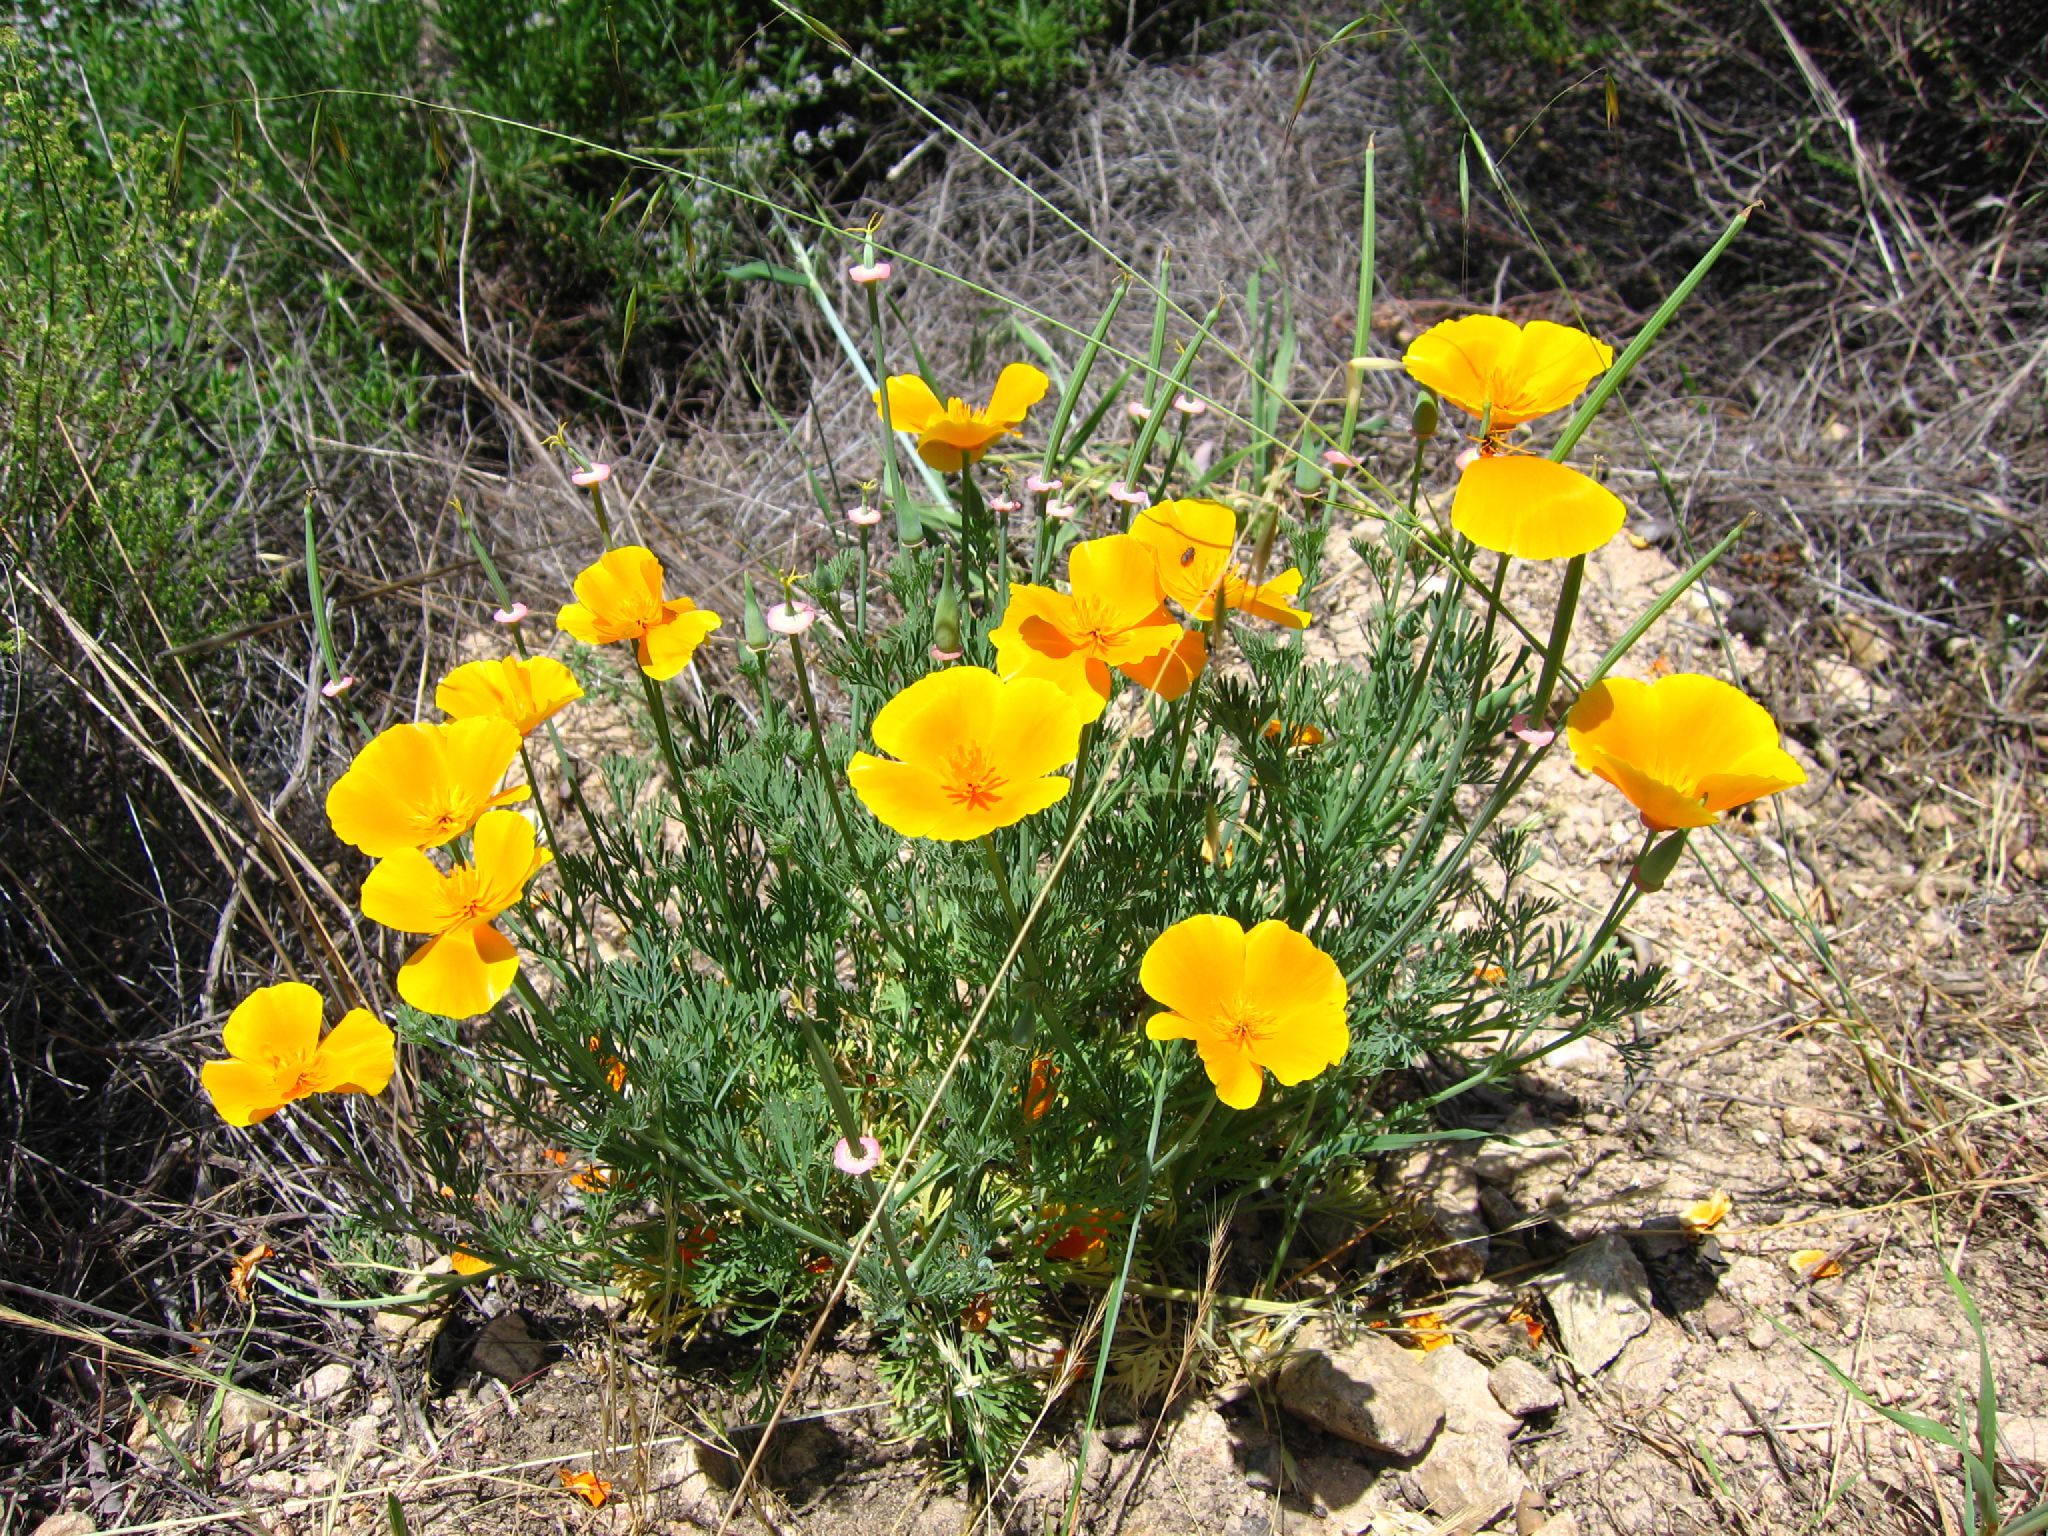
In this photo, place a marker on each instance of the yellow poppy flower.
(417, 786)
(1521, 372)
(1192, 541)
(1264, 1000)
(957, 433)
(1519, 505)
(1114, 616)
(1682, 749)
(974, 752)
(466, 965)
(620, 598)
(276, 1054)
(520, 691)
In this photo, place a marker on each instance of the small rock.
(1467, 1478)
(1126, 1437)
(507, 1349)
(245, 1418)
(1564, 1524)
(70, 1523)
(1440, 1183)
(1523, 1389)
(1370, 1392)
(1762, 1335)
(1465, 1385)
(1647, 1363)
(1601, 1299)
(330, 1381)
(1721, 1317)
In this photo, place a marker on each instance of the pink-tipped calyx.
(853, 1164)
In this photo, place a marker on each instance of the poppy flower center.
(1245, 1024)
(970, 781)
(1094, 627)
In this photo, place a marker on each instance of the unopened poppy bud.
(753, 625)
(946, 618)
(1655, 867)
(1424, 421)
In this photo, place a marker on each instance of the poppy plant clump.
(1205, 922)
(277, 1055)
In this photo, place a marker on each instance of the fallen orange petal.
(587, 1486)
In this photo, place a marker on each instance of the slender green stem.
(657, 707)
(1044, 1008)
(851, 1128)
(830, 778)
(1560, 633)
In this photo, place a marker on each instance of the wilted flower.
(1506, 373)
(864, 516)
(466, 965)
(597, 474)
(1533, 509)
(1187, 405)
(1039, 485)
(277, 1055)
(1264, 1000)
(865, 273)
(1682, 749)
(853, 1164)
(1003, 506)
(1118, 491)
(791, 619)
(417, 786)
(513, 615)
(620, 598)
(973, 752)
(335, 687)
(1060, 511)
(1114, 617)
(954, 434)
(521, 691)
(587, 1486)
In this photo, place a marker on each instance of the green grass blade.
(1070, 395)
(1361, 327)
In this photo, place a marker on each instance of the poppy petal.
(1460, 358)
(1534, 509)
(1019, 388)
(358, 1056)
(912, 405)
(1304, 992)
(904, 797)
(1174, 670)
(278, 1024)
(1238, 1080)
(461, 974)
(1196, 967)
(1035, 729)
(407, 891)
(667, 646)
(1116, 579)
(926, 720)
(1552, 368)
(242, 1091)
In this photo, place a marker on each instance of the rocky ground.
(1589, 1363)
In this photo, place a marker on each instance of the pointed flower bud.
(753, 625)
(946, 619)
(1424, 420)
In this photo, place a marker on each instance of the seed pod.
(1424, 420)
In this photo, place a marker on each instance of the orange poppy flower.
(276, 1054)
(587, 1486)
(468, 1263)
(521, 691)
(1114, 616)
(1682, 749)
(1519, 372)
(1267, 1000)
(1702, 1216)
(1192, 541)
(1075, 1242)
(973, 752)
(466, 965)
(620, 598)
(1297, 735)
(956, 433)
(417, 786)
(244, 1268)
(1534, 509)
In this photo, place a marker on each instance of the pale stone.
(1370, 1392)
(1524, 1389)
(329, 1381)
(1601, 1298)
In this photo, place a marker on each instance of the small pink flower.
(335, 687)
(863, 516)
(1187, 405)
(1118, 491)
(939, 655)
(1039, 486)
(791, 618)
(854, 1164)
(1467, 459)
(511, 615)
(1138, 410)
(1520, 727)
(1003, 506)
(1337, 458)
(597, 474)
(1059, 511)
(865, 274)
